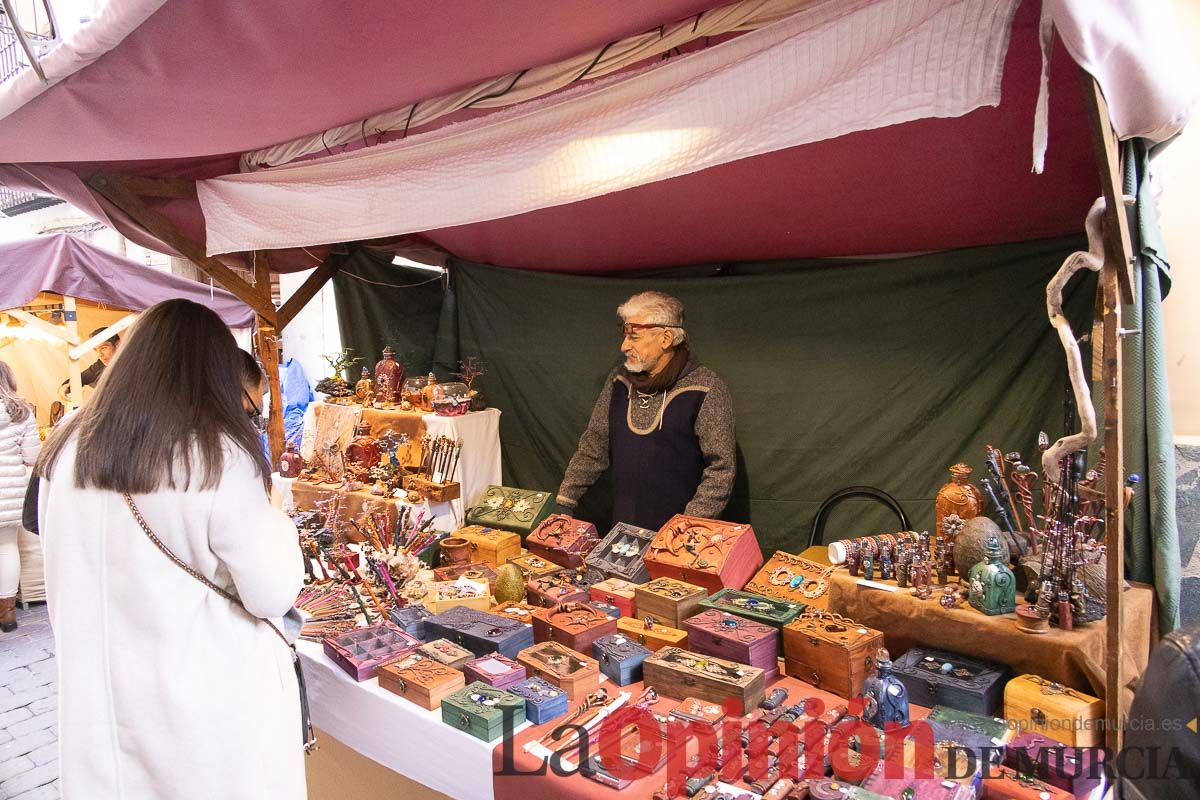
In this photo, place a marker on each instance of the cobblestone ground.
(28, 709)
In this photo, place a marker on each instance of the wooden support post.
(308, 290)
(268, 350)
(1117, 285)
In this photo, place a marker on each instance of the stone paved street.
(28, 709)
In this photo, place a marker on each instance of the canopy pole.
(71, 319)
(1117, 286)
(269, 347)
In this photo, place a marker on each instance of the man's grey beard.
(634, 364)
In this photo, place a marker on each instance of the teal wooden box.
(760, 608)
(480, 710)
(510, 509)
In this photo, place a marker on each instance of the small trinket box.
(704, 552)
(885, 783)
(521, 611)
(831, 652)
(543, 700)
(1051, 709)
(494, 670)
(971, 730)
(564, 540)
(616, 592)
(516, 510)
(792, 578)
(480, 632)
(532, 566)
(444, 595)
(611, 611)
(832, 789)
(574, 624)
(718, 633)
(420, 680)
(621, 553)
(693, 709)
(483, 711)
(760, 608)
(1076, 770)
(447, 653)
(680, 673)
(669, 600)
(477, 572)
(411, 620)
(941, 678)
(491, 545)
(574, 673)
(620, 658)
(550, 590)
(643, 752)
(1005, 783)
(648, 633)
(360, 652)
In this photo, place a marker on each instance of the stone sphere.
(970, 547)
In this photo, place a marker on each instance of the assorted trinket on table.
(1035, 704)
(937, 677)
(452, 399)
(479, 631)
(389, 378)
(830, 652)
(975, 731)
(517, 510)
(704, 552)
(534, 566)
(992, 587)
(554, 588)
(680, 673)
(411, 619)
(718, 633)
(444, 595)
(421, 680)
(483, 711)
(669, 600)
(885, 696)
(478, 571)
(621, 553)
(518, 610)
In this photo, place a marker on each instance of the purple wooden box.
(1077, 770)
(919, 788)
(494, 670)
(361, 652)
(724, 635)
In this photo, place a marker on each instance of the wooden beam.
(80, 349)
(75, 382)
(268, 351)
(308, 290)
(180, 188)
(32, 321)
(1104, 144)
(114, 190)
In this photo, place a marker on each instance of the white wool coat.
(19, 445)
(165, 689)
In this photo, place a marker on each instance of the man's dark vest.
(655, 471)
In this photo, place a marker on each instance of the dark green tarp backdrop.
(882, 373)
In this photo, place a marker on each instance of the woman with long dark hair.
(167, 688)
(18, 449)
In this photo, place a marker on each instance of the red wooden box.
(616, 592)
(564, 540)
(706, 552)
(717, 633)
(574, 624)
(550, 590)
(1012, 785)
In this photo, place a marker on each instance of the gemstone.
(947, 667)
(796, 582)
(729, 623)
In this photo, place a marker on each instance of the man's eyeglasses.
(629, 330)
(254, 412)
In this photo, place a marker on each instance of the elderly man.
(91, 376)
(663, 422)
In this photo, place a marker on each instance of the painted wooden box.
(967, 728)
(411, 620)
(494, 670)
(680, 673)
(771, 611)
(650, 634)
(483, 711)
(1006, 783)
(620, 658)
(611, 611)
(480, 632)
(446, 652)
(1072, 769)
(532, 566)
(617, 592)
(576, 674)
(622, 553)
(668, 600)
(519, 611)
(494, 546)
(883, 782)
(564, 540)
(420, 680)
(444, 595)
(557, 587)
(574, 624)
(778, 578)
(718, 633)
(1051, 709)
(704, 552)
(543, 700)
(941, 678)
(477, 572)
(830, 652)
(511, 509)
(360, 652)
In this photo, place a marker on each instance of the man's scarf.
(650, 384)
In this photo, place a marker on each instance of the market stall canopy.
(950, 177)
(73, 268)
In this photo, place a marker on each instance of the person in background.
(167, 688)
(254, 386)
(105, 351)
(19, 446)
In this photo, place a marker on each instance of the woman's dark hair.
(172, 397)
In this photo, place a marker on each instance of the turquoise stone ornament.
(796, 582)
(991, 585)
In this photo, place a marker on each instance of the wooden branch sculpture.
(1093, 259)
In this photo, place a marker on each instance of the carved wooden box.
(622, 553)
(617, 592)
(576, 674)
(480, 632)
(491, 545)
(420, 680)
(830, 652)
(558, 587)
(523, 612)
(532, 566)
(446, 652)
(444, 595)
(718, 633)
(772, 611)
(941, 678)
(620, 658)
(517, 510)
(479, 572)
(1006, 783)
(778, 578)
(1074, 769)
(668, 600)
(411, 620)
(360, 652)
(574, 624)
(494, 670)
(881, 782)
(544, 701)
(1051, 709)
(705, 552)
(483, 711)
(680, 673)
(650, 634)
(564, 540)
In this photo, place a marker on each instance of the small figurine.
(886, 573)
(852, 562)
(920, 575)
(943, 570)
(992, 585)
(364, 390)
(886, 697)
(868, 566)
(902, 567)
(427, 392)
(950, 598)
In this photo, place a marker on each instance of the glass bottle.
(389, 377)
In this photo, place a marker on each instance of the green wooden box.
(479, 709)
(516, 510)
(768, 610)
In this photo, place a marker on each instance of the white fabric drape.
(825, 71)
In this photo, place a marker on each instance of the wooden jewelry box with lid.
(446, 652)
(704, 552)
(574, 624)
(564, 540)
(717, 633)
(794, 579)
(675, 672)
(444, 595)
(477, 572)
(772, 611)
(543, 700)
(620, 658)
(622, 552)
(617, 592)
(480, 632)
(532, 566)
(420, 680)
(1051, 709)
(483, 711)
(491, 545)
(511, 509)
(651, 635)
(557, 587)
(494, 670)
(668, 600)
(576, 674)
(941, 678)
(830, 652)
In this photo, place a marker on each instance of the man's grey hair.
(658, 308)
